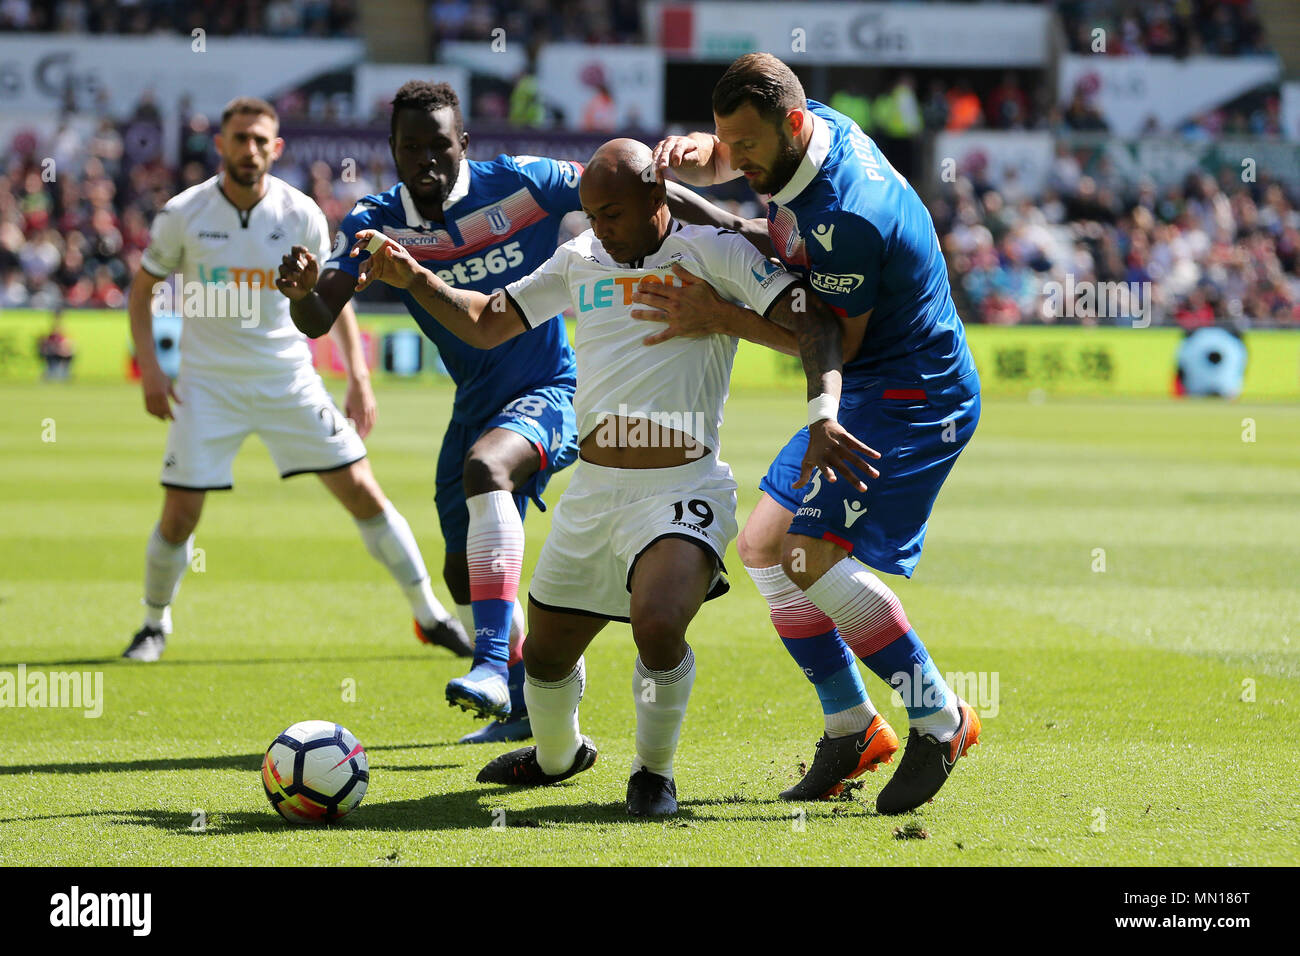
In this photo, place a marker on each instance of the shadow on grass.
(249, 762)
(455, 810)
(199, 662)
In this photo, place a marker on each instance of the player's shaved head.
(623, 201)
(618, 165)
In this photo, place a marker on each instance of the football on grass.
(315, 772)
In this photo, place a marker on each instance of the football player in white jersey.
(245, 368)
(640, 532)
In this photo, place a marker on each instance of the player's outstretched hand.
(691, 309)
(835, 451)
(359, 405)
(158, 388)
(298, 273)
(390, 263)
(673, 153)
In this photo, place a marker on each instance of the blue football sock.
(515, 680)
(826, 661)
(492, 619)
(905, 665)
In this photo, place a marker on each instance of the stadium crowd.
(1164, 27)
(1213, 250)
(275, 18)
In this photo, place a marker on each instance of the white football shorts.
(608, 517)
(294, 416)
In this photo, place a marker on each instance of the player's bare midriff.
(672, 448)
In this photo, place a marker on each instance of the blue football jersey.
(864, 238)
(502, 221)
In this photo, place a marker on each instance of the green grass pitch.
(1126, 570)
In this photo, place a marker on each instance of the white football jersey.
(236, 322)
(683, 380)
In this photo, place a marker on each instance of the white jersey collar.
(819, 146)
(458, 192)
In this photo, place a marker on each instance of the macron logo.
(103, 909)
(822, 234)
(853, 510)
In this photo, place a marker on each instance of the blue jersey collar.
(458, 192)
(819, 146)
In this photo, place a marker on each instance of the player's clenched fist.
(674, 152)
(389, 262)
(298, 273)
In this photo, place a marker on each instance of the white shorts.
(608, 517)
(294, 416)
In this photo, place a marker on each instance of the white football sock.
(661, 698)
(852, 721)
(942, 724)
(553, 710)
(164, 566)
(389, 540)
(160, 619)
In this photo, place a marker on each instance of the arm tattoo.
(457, 300)
(818, 332)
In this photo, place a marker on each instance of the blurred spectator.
(854, 104)
(963, 107)
(935, 111)
(1008, 106)
(56, 350)
(599, 113)
(897, 113)
(1082, 115)
(526, 108)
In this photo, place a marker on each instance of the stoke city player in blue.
(840, 214)
(480, 225)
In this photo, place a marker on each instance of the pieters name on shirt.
(222, 293)
(134, 910)
(642, 429)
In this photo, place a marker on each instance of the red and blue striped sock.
(494, 550)
(813, 641)
(870, 618)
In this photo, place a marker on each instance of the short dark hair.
(426, 96)
(248, 106)
(764, 81)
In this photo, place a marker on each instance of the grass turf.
(1119, 734)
